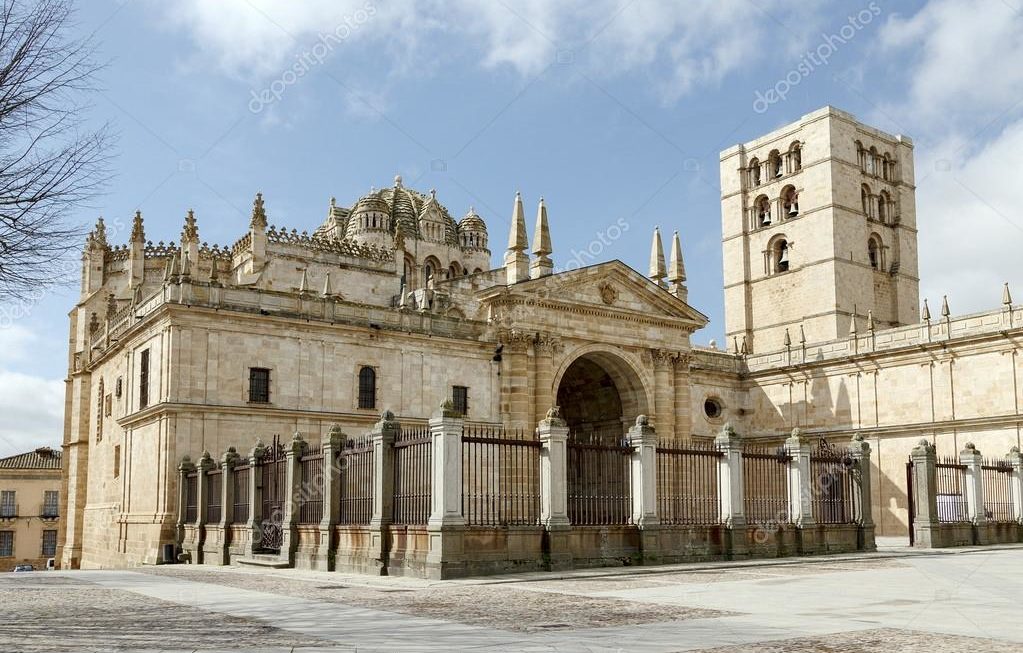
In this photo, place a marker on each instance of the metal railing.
(355, 463)
(687, 483)
(599, 480)
(214, 478)
(951, 485)
(832, 489)
(500, 476)
(240, 481)
(413, 470)
(765, 484)
(996, 477)
(310, 496)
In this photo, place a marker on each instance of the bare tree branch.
(50, 163)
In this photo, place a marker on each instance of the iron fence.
(997, 479)
(500, 476)
(413, 456)
(240, 481)
(599, 481)
(191, 497)
(355, 464)
(310, 496)
(765, 484)
(214, 479)
(687, 483)
(951, 485)
(832, 485)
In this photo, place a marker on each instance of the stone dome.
(472, 221)
(404, 206)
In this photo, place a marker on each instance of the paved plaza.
(898, 600)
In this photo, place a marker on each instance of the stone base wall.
(215, 545)
(307, 552)
(939, 536)
(409, 548)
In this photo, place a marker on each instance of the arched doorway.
(600, 395)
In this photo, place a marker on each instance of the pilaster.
(255, 524)
(664, 394)
(1016, 460)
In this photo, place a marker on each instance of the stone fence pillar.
(221, 554)
(383, 435)
(859, 449)
(255, 524)
(324, 560)
(974, 476)
(1016, 460)
(643, 439)
(292, 497)
(730, 484)
(185, 468)
(446, 526)
(553, 434)
(202, 502)
(925, 528)
(800, 480)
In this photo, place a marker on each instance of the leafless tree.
(51, 162)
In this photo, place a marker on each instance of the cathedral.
(394, 306)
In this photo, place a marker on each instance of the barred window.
(6, 544)
(460, 398)
(50, 507)
(49, 543)
(259, 385)
(367, 388)
(117, 460)
(144, 379)
(8, 508)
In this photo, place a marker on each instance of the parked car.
(18, 568)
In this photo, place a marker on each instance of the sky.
(615, 111)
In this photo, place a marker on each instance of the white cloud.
(32, 410)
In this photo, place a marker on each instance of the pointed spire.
(517, 234)
(542, 232)
(944, 306)
(258, 220)
(870, 321)
(190, 232)
(677, 267)
(657, 271)
(403, 297)
(1006, 295)
(852, 325)
(214, 274)
(303, 284)
(327, 290)
(172, 273)
(925, 313)
(802, 335)
(138, 232)
(745, 347)
(788, 339)
(735, 345)
(98, 236)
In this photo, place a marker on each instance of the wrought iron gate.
(274, 476)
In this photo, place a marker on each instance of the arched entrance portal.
(600, 395)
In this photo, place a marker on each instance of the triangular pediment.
(612, 287)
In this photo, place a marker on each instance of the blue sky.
(612, 110)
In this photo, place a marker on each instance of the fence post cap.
(186, 464)
(335, 435)
(205, 460)
(447, 409)
(924, 446)
(230, 456)
(298, 443)
(858, 437)
(970, 448)
(1014, 451)
(642, 420)
(728, 435)
(553, 417)
(257, 449)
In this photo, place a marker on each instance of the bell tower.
(818, 231)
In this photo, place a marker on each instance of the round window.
(712, 408)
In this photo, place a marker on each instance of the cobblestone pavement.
(948, 602)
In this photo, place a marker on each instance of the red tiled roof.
(41, 458)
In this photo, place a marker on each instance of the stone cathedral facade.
(394, 304)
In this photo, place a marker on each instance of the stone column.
(643, 439)
(543, 391)
(730, 485)
(324, 560)
(683, 400)
(383, 435)
(515, 379)
(974, 490)
(293, 482)
(859, 450)
(664, 395)
(446, 526)
(255, 525)
(553, 435)
(1016, 460)
(185, 468)
(202, 490)
(926, 533)
(800, 480)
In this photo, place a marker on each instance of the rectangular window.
(367, 388)
(259, 385)
(460, 398)
(8, 507)
(108, 405)
(117, 460)
(49, 543)
(6, 544)
(50, 507)
(144, 379)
